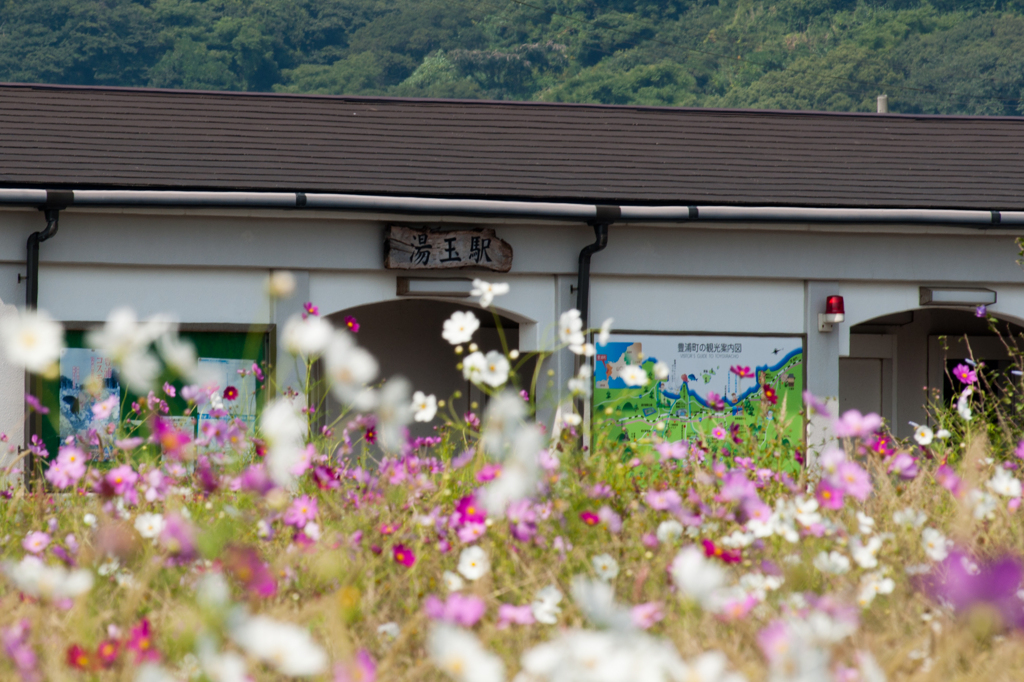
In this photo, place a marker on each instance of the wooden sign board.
(407, 248)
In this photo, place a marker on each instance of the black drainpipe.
(606, 215)
(56, 201)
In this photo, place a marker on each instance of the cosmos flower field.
(500, 548)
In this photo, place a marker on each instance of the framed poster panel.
(702, 390)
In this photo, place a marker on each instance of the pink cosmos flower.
(853, 424)
(1019, 452)
(36, 541)
(34, 403)
(245, 565)
(965, 374)
(361, 669)
(646, 615)
(650, 540)
(548, 461)
(471, 532)
(600, 491)
(403, 555)
(816, 405)
(257, 371)
(122, 479)
(302, 511)
(522, 520)
(178, 538)
(169, 390)
(775, 641)
(464, 610)
(468, 510)
(737, 607)
(140, 640)
(903, 465)
(489, 472)
(590, 518)
(949, 480)
(855, 481)
(170, 439)
(352, 324)
(715, 402)
(737, 487)
(663, 500)
(674, 450)
(829, 496)
(610, 518)
(509, 614)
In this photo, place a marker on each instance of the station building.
(702, 229)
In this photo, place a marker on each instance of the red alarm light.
(834, 306)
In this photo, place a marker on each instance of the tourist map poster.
(227, 373)
(699, 373)
(87, 377)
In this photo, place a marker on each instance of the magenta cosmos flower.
(965, 374)
(741, 372)
(302, 511)
(245, 565)
(352, 324)
(403, 555)
(965, 584)
(122, 478)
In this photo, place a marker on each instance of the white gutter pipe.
(533, 209)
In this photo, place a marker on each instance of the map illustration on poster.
(699, 373)
(228, 373)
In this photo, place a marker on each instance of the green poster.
(708, 381)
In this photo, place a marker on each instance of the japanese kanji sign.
(407, 248)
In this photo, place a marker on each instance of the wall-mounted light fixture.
(967, 297)
(452, 287)
(834, 313)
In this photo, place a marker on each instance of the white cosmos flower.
(865, 524)
(389, 630)
(963, 404)
(287, 647)
(226, 666)
(909, 517)
(350, 368)
(149, 525)
(923, 435)
(587, 350)
(281, 284)
(495, 370)
(872, 585)
(89, 519)
(140, 370)
(1004, 483)
(695, 576)
(984, 504)
(452, 581)
(424, 406)
(605, 566)
(519, 472)
(307, 336)
(866, 554)
(606, 332)
(832, 562)
(942, 434)
(596, 598)
(806, 511)
(459, 654)
(936, 545)
(122, 335)
(669, 530)
(661, 371)
(580, 384)
(394, 412)
(284, 430)
(487, 291)
(633, 375)
(473, 366)
(474, 563)
(545, 606)
(179, 354)
(154, 672)
(36, 579)
(460, 327)
(570, 328)
(31, 339)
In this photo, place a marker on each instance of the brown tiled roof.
(63, 137)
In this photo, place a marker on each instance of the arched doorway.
(898, 361)
(405, 337)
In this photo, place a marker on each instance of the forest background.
(943, 57)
